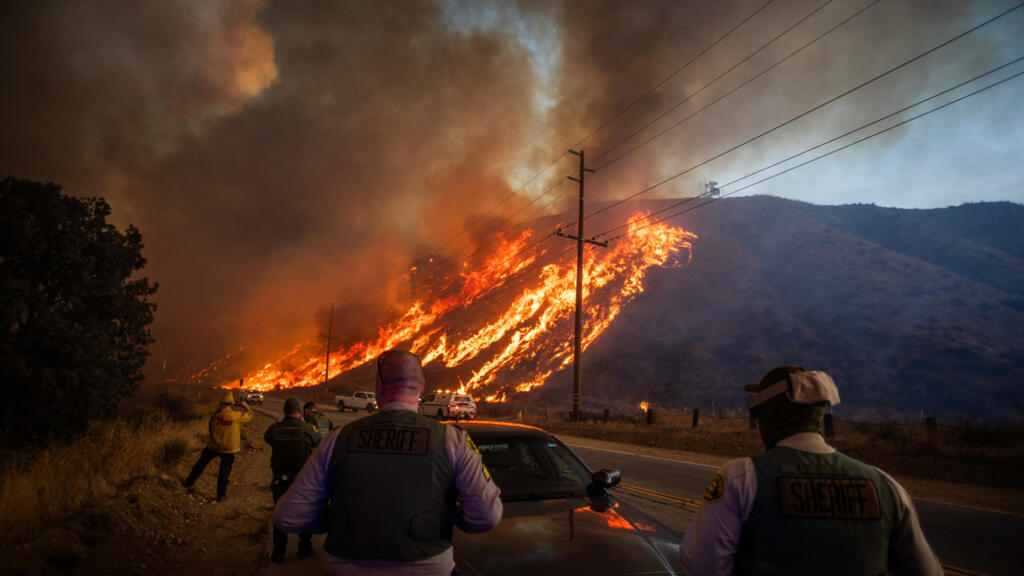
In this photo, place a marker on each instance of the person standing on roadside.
(802, 508)
(389, 507)
(225, 440)
(321, 423)
(291, 441)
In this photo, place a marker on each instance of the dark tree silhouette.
(74, 323)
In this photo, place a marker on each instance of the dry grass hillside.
(909, 311)
(112, 503)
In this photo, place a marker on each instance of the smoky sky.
(278, 156)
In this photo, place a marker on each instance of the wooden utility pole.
(577, 350)
(327, 360)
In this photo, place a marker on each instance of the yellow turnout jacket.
(226, 428)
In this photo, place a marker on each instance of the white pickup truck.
(357, 401)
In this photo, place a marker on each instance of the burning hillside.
(504, 326)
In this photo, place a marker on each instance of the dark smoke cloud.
(281, 156)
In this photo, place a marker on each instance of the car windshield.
(464, 399)
(371, 396)
(532, 467)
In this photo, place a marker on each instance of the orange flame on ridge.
(526, 343)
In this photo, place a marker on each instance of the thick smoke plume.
(280, 156)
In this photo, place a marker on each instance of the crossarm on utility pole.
(577, 351)
(559, 232)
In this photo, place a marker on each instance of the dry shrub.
(172, 451)
(46, 485)
(671, 429)
(180, 408)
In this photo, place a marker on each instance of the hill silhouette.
(909, 310)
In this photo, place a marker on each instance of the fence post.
(753, 422)
(606, 415)
(829, 428)
(696, 416)
(650, 416)
(931, 428)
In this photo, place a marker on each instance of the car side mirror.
(601, 481)
(606, 477)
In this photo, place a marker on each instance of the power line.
(716, 100)
(807, 112)
(506, 199)
(501, 228)
(588, 136)
(825, 143)
(841, 148)
(672, 75)
(557, 256)
(652, 90)
(614, 117)
(720, 76)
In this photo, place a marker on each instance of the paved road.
(968, 538)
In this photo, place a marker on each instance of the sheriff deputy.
(802, 507)
(394, 485)
(291, 441)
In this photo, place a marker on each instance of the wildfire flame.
(529, 340)
(643, 406)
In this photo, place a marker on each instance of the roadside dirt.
(153, 525)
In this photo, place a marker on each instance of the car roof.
(502, 428)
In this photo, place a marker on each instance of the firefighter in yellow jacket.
(225, 440)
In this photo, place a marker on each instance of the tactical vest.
(290, 446)
(392, 489)
(321, 422)
(816, 514)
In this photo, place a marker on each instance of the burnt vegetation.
(909, 311)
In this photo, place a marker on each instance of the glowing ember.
(529, 337)
(643, 406)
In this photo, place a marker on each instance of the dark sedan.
(559, 517)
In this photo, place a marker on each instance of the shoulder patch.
(472, 446)
(716, 489)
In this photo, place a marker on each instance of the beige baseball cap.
(799, 386)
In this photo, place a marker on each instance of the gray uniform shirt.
(303, 508)
(711, 542)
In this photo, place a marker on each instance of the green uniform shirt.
(292, 441)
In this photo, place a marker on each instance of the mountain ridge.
(910, 310)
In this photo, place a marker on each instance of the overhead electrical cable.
(672, 75)
(805, 113)
(724, 95)
(746, 58)
(614, 117)
(480, 218)
(587, 137)
(839, 149)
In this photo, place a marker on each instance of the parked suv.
(448, 405)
